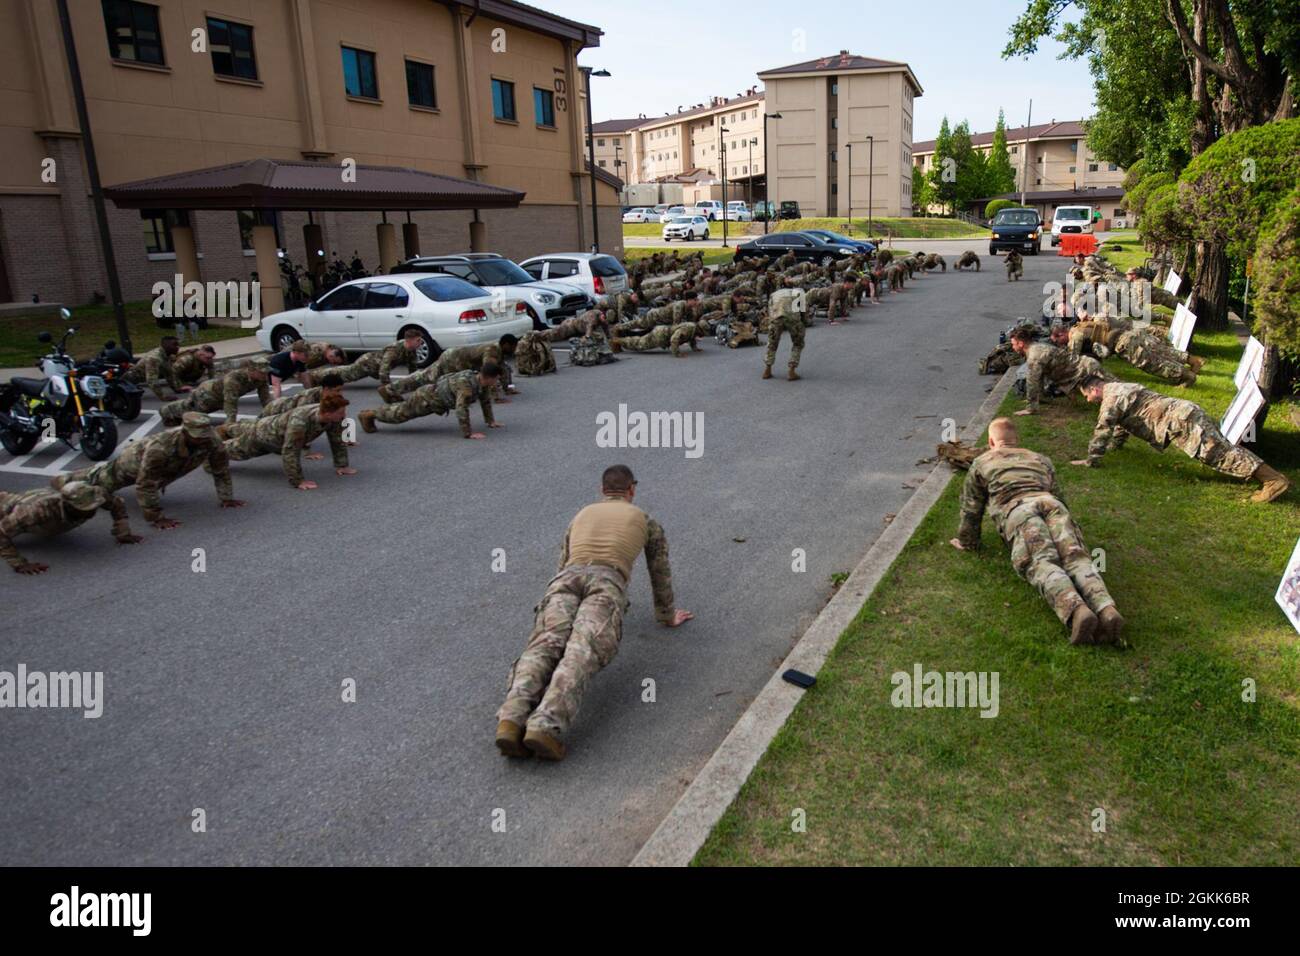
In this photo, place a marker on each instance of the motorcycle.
(63, 404)
(122, 398)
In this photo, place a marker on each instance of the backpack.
(534, 356)
(737, 332)
(588, 351)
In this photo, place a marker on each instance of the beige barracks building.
(826, 106)
(486, 93)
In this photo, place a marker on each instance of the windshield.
(449, 288)
(1016, 217)
(1073, 214)
(682, 222)
(500, 272)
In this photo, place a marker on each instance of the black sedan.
(805, 246)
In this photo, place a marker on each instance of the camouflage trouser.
(663, 336)
(1016, 269)
(1143, 350)
(241, 442)
(1198, 436)
(422, 402)
(171, 412)
(104, 474)
(575, 633)
(1047, 550)
(776, 325)
(362, 368)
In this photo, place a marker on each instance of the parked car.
(640, 214)
(710, 209)
(1072, 220)
(739, 212)
(672, 212)
(548, 303)
(764, 211)
(1015, 228)
(661, 208)
(789, 210)
(595, 273)
(375, 312)
(806, 248)
(687, 228)
(835, 238)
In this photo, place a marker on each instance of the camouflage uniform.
(287, 434)
(662, 337)
(218, 394)
(968, 258)
(454, 360)
(577, 629)
(377, 364)
(589, 324)
(154, 370)
(782, 317)
(1018, 487)
(153, 464)
(533, 356)
(1015, 265)
(1061, 367)
(46, 512)
(315, 352)
(287, 403)
(188, 370)
(456, 391)
(1163, 421)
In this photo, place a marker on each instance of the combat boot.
(58, 482)
(1083, 626)
(615, 345)
(387, 394)
(1111, 626)
(367, 420)
(767, 371)
(510, 740)
(1189, 377)
(1275, 484)
(793, 376)
(543, 745)
(1196, 362)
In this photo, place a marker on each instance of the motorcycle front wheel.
(124, 406)
(99, 439)
(17, 443)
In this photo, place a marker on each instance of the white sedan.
(641, 214)
(671, 213)
(687, 228)
(375, 312)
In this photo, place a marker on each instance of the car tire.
(706, 234)
(282, 336)
(827, 260)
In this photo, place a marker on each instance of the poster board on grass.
(1252, 363)
(1242, 412)
(1172, 282)
(1288, 591)
(1180, 329)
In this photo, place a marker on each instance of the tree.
(970, 166)
(997, 205)
(1277, 277)
(922, 191)
(943, 182)
(1001, 175)
(1135, 199)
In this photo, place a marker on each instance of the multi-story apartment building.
(844, 133)
(484, 90)
(1053, 165)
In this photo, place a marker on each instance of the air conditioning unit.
(1119, 223)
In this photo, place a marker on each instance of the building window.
(835, 188)
(1014, 150)
(1074, 147)
(232, 49)
(835, 122)
(835, 89)
(1120, 214)
(248, 218)
(1092, 167)
(158, 225)
(544, 107)
(359, 73)
(420, 90)
(133, 32)
(1071, 169)
(1113, 167)
(601, 164)
(503, 100)
(600, 142)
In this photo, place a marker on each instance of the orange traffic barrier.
(1073, 245)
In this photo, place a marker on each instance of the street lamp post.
(749, 184)
(588, 72)
(724, 131)
(767, 169)
(849, 147)
(871, 180)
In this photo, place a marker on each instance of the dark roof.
(733, 103)
(606, 177)
(302, 185)
(617, 125)
(533, 18)
(1061, 195)
(1066, 129)
(834, 64)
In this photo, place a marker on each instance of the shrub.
(1277, 275)
(997, 205)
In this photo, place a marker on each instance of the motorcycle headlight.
(94, 386)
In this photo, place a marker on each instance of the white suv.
(687, 228)
(595, 273)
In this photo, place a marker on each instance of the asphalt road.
(223, 688)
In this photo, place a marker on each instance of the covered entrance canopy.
(270, 185)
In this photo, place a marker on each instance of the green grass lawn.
(712, 256)
(95, 325)
(644, 230)
(1131, 252)
(1157, 736)
(906, 228)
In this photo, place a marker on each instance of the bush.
(1162, 220)
(997, 205)
(1135, 174)
(1135, 199)
(1277, 275)
(1226, 193)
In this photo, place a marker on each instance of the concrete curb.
(680, 835)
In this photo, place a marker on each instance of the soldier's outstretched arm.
(1034, 385)
(218, 466)
(338, 448)
(1101, 436)
(121, 526)
(661, 573)
(230, 402)
(974, 499)
(295, 440)
(464, 396)
(564, 551)
(386, 367)
(485, 403)
(10, 527)
(148, 488)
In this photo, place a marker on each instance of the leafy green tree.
(1001, 176)
(944, 186)
(1136, 198)
(922, 191)
(995, 206)
(1276, 276)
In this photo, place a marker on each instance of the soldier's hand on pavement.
(477, 435)
(344, 471)
(307, 486)
(1025, 411)
(32, 567)
(166, 524)
(232, 503)
(1081, 461)
(130, 539)
(680, 617)
(314, 455)
(956, 543)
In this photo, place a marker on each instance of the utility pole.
(591, 152)
(724, 131)
(849, 147)
(767, 172)
(1024, 160)
(92, 170)
(871, 181)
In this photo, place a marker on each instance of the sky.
(672, 53)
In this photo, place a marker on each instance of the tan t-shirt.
(610, 533)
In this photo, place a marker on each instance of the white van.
(1071, 220)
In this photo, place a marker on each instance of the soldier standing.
(456, 391)
(579, 621)
(153, 464)
(1018, 487)
(1163, 421)
(46, 512)
(1015, 265)
(289, 434)
(785, 314)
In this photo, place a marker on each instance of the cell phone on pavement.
(799, 678)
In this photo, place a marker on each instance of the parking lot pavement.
(223, 688)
